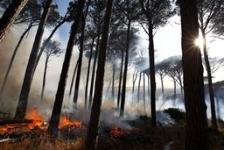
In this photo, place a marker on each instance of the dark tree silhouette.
(196, 128)
(54, 121)
(156, 14)
(10, 15)
(96, 106)
(30, 15)
(209, 12)
(23, 99)
(52, 48)
(79, 67)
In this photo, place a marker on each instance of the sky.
(167, 41)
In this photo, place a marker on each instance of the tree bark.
(93, 73)
(196, 127)
(113, 80)
(10, 15)
(77, 83)
(88, 72)
(210, 84)
(152, 74)
(134, 81)
(44, 77)
(139, 84)
(174, 92)
(96, 107)
(13, 57)
(162, 85)
(120, 80)
(123, 94)
(144, 92)
(54, 121)
(73, 77)
(23, 99)
(79, 67)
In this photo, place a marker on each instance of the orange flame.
(36, 117)
(117, 132)
(65, 121)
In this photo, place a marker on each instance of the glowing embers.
(117, 132)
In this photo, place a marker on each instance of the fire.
(117, 132)
(6, 128)
(36, 117)
(65, 121)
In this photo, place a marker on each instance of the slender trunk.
(13, 57)
(210, 85)
(113, 81)
(148, 86)
(23, 99)
(123, 94)
(162, 85)
(120, 80)
(44, 77)
(47, 41)
(134, 81)
(152, 74)
(196, 120)
(77, 83)
(96, 107)
(79, 67)
(54, 121)
(174, 92)
(10, 15)
(74, 73)
(139, 84)
(93, 73)
(88, 72)
(144, 92)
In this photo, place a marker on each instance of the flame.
(6, 128)
(65, 121)
(117, 132)
(36, 117)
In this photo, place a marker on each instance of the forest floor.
(141, 137)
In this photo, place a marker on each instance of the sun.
(199, 42)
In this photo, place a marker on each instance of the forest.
(111, 74)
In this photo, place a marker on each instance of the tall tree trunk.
(88, 72)
(120, 80)
(96, 107)
(44, 77)
(79, 67)
(13, 57)
(77, 83)
(93, 72)
(148, 86)
(134, 81)
(23, 99)
(139, 84)
(162, 85)
(113, 80)
(47, 41)
(73, 77)
(54, 121)
(152, 74)
(174, 92)
(123, 94)
(196, 127)
(10, 15)
(144, 92)
(210, 84)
